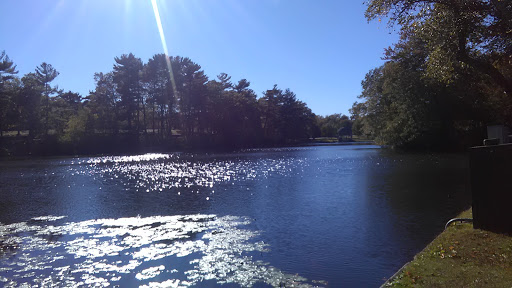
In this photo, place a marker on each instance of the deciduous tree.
(457, 33)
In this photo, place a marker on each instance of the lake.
(328, 216)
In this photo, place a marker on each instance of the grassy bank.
(460, 257)
(336, 139)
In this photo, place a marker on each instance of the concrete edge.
(397, 273)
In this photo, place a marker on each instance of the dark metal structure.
(491, 187)
(454, 220)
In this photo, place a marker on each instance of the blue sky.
(321, 50)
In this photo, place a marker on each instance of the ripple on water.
(156, 172)
(159, 251)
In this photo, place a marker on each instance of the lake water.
(328, 216)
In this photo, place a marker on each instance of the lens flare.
(164, 43)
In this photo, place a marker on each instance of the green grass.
(361, 138)
(460, 257)
(325, 140)
(14, 133)
(335, 139)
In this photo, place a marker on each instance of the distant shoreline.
(369, 142)
(144, 150)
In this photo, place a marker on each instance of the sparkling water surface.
(326, 216)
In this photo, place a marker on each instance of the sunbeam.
(164, 43)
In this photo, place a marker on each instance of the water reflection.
(160, 251)
(348, 215)
(156, 172)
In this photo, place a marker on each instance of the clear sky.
(321, 50)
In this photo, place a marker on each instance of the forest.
(448, 77)
(165, 104)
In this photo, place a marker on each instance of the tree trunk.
(144, 117)
(153, 117)
(162, 121)
(483, 66)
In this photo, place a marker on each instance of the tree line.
(447, 78)
(443, 82)
(166, 103)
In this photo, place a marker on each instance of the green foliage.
(395, 106)
(458, 34)
(45, 74)
(62, 108)
(7, 69)
(126, 75)
(335, 125)
(284, 118)
(163, 103)
(403, 109)
(158, 83)
(7, 91)
(235, 118)
(103, 103)
(192, 95)
(78, 126)
(357, 112)
(29, 104)
(447, 77)
(345, 129)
